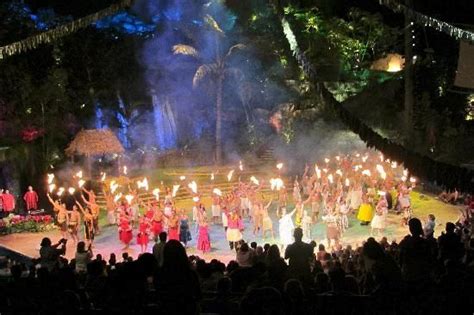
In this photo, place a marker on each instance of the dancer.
(366, 212)
(143, 233)
(203, 242)
(88, 220)
(61, 216)
(267, 224)
(234, 228)
(31, 199)
(73, 219)
(216, 208)
(282, 200)
(111, 207)
(157, 222)
(125, 229)
(173, 226)
(244, 202)
(315, 198)
(306, 224)
(286, 228)
(332, 231)
(94, 209)
(184, 233)
(342, 212)
(379, 221)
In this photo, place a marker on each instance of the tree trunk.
(409, 99)
(218, 153)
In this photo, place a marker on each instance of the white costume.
(354, 199)
(216, 210)
(286, 228)
(306, 223)
(380, 217)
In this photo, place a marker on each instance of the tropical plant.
(214, 73)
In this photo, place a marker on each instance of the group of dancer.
(339, 187)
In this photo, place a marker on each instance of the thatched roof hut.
(92, 142)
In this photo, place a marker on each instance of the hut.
(94, 142)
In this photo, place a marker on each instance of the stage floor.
(107, 242)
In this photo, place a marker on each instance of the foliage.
(26, 224)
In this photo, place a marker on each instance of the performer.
(216, 208)
(315, 198)
(8, 201)
(184, 233)
(366, 212)
(61, 216)
(234, 228)
(296, 191)
(143, 235)
(203, 242)
(342, 212)
(31, 199)
(88, 224)
(306, 224)
(379, 221)
(257, 217)
(94, 210)
(73, 219)
(157, 222)
(354, 198)
(173, 226)
(286, 228)
(332, 231)
(244, 202)
(125, 229)
(267, 224)
(111, 207)
(282, 200)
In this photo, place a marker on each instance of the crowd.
(419, 275)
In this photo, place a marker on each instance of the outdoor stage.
(107, 242)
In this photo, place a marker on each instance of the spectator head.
(431, 217)
(112, 259)
(244, 247)
(98, 257)
(450, 227)
(313, 244)
(372, 250)
(298, 234)
(125, 256)
(259, 250)
(45, 242)
(174, 257)
(266, 247)
(81, 247)
(253, 245)
(415, 227)
(163, 236)
(273, 253)
(321, 248)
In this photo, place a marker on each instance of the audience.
(420, 275)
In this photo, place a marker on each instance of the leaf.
(235, 47)
(185, 50)
(202, 72)
(213, 24)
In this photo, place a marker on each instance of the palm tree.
(214, 74)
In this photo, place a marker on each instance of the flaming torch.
(254, 180)
(51, 187)
(229, 175)
(125, 170)
(113, 186)
(79, 174)
(181, 178)
(241, 166)
(143, 184)
(331, 178)
(195, 198)
(193, 186)
(60, 191)
(156, 193)
(129, 198)
(50, 178)
(71, 190)
(279, 166)
(117, 197)
(81, 183)
(212, 176)
(339, 172)
(103, 176)
(217, 191)
(366, 173)
(347, 182)
(175, 190)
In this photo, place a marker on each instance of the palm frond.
(202, 72)
(213, 24)
(185, 50)
(234, 48)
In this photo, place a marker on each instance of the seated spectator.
(244, 256)
(82, 257)
(50, 254)
(450, 246)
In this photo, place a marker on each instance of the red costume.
(173, 233)
(31, 200)
(142, 237)
(125, 230)
(156, 228)
(8, 201)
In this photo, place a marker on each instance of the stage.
(107, 242)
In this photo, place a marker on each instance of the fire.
(325, 170)
(364, 158)
(81, 183)
(217, 191)
(156, 193)
(404, 178)
(60, 191)
(318, 172)
(241, 166)
(339, 172)
(367, 173)
(338, 158)
(405, 172)
(50, 178)
(279, 166)
(229, 175)
(195, 198)
(79, 174)
(327, 160)
(129, 198)
(143, 184)
(276, 183)
(125, 170)
(103, 176)
(212, 176)
(254, 180)
(182, 177)
(117, 197)
(113, 186)
(193, 186)
(51, 187)
(175, 190)
(330, 178)
(394, 164)
(347, 182)
(412, 180)
(71, 190)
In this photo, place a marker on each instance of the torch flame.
(117, 197)
(113, 186)
(79, 174)
(394, 164)
(81, 183)
(143, 184)
(347, 182)
(327, 160)
(212, 176)
(182, 177)
(412, 180)
(156, 193)
(193, 186)
(330, 178)
(129, 198)
(125, 170)
(71, 190)
(175, 190)
(279, 166)
(50, 178)
(339, 172)
(51, 187)
(195, 198)
(217, 191)
(102, 178)
(241, 166)
(229, 175)
(254, 180)
(367, 173)
(276, 183)
(60, 191)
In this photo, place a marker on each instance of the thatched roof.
(94, 142)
